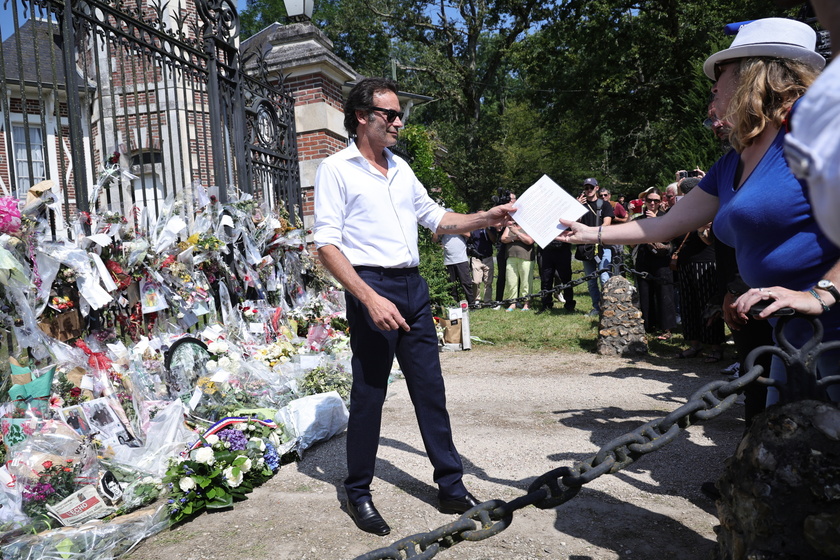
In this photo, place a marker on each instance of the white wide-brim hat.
(771, 37)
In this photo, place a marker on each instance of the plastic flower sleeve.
(27, 333)
(252, 254)
(294, 278)
(91, 542)
(230, 317)
(265, 387)
(11, 514)
(202, 199)
(51, 470)
(311, 419)
(169, 234)
(166, 437)
(48, 268)
(12, 273)
(135, 252)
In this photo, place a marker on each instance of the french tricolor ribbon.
(228, 422)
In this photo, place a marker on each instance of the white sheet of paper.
(541, 206)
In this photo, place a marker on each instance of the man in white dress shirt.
(813, 146)
(368, 203)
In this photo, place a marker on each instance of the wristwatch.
(829, 287)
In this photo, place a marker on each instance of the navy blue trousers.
(417, 353)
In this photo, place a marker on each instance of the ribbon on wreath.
(227, 423)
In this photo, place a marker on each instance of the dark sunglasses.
(719, 68)
(390, 114)
(653, 199)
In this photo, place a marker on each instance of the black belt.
(388, 271)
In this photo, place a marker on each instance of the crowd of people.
(676, 279)
(784, 259)
(720, 242)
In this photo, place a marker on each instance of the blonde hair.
(767, 89)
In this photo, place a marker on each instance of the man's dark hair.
(688, 183)
(361, 99)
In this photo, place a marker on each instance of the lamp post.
(298, 10)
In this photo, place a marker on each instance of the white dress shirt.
(372, 219)
(813, 148)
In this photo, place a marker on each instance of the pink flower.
(47, 464)
(56, 402)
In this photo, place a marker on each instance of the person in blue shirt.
(782, 253)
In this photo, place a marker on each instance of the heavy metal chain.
(560, 485)
(540, 294)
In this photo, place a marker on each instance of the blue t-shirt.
(770, 223)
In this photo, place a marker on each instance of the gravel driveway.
(515, 416)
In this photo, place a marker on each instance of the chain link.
(560, 485)
(541, 294)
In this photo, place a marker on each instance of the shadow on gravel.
(630, 531)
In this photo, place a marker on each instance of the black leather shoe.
(458, 505)
(368, 519)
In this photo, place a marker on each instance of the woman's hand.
(779, 297)
(578, 233)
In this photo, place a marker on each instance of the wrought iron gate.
(155, 86)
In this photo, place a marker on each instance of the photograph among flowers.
(91, 367)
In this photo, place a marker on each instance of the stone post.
(621, 331)
(780, 492)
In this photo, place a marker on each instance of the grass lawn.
(554, 330)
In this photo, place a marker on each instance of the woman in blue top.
(757, 205)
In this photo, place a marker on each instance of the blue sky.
(6, 21)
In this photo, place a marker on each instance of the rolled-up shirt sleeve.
(429, 213)
(330, 202)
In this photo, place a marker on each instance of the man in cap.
(598, 213)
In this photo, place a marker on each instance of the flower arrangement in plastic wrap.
(55, 482)
(328, 376)
(229, 461)
(225, 388)
(9, 215)
(278, 352)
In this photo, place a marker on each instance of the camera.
(503, 197)
(685, 174)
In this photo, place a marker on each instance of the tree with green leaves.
(626, 78)
(423, 147)
(571, 88)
